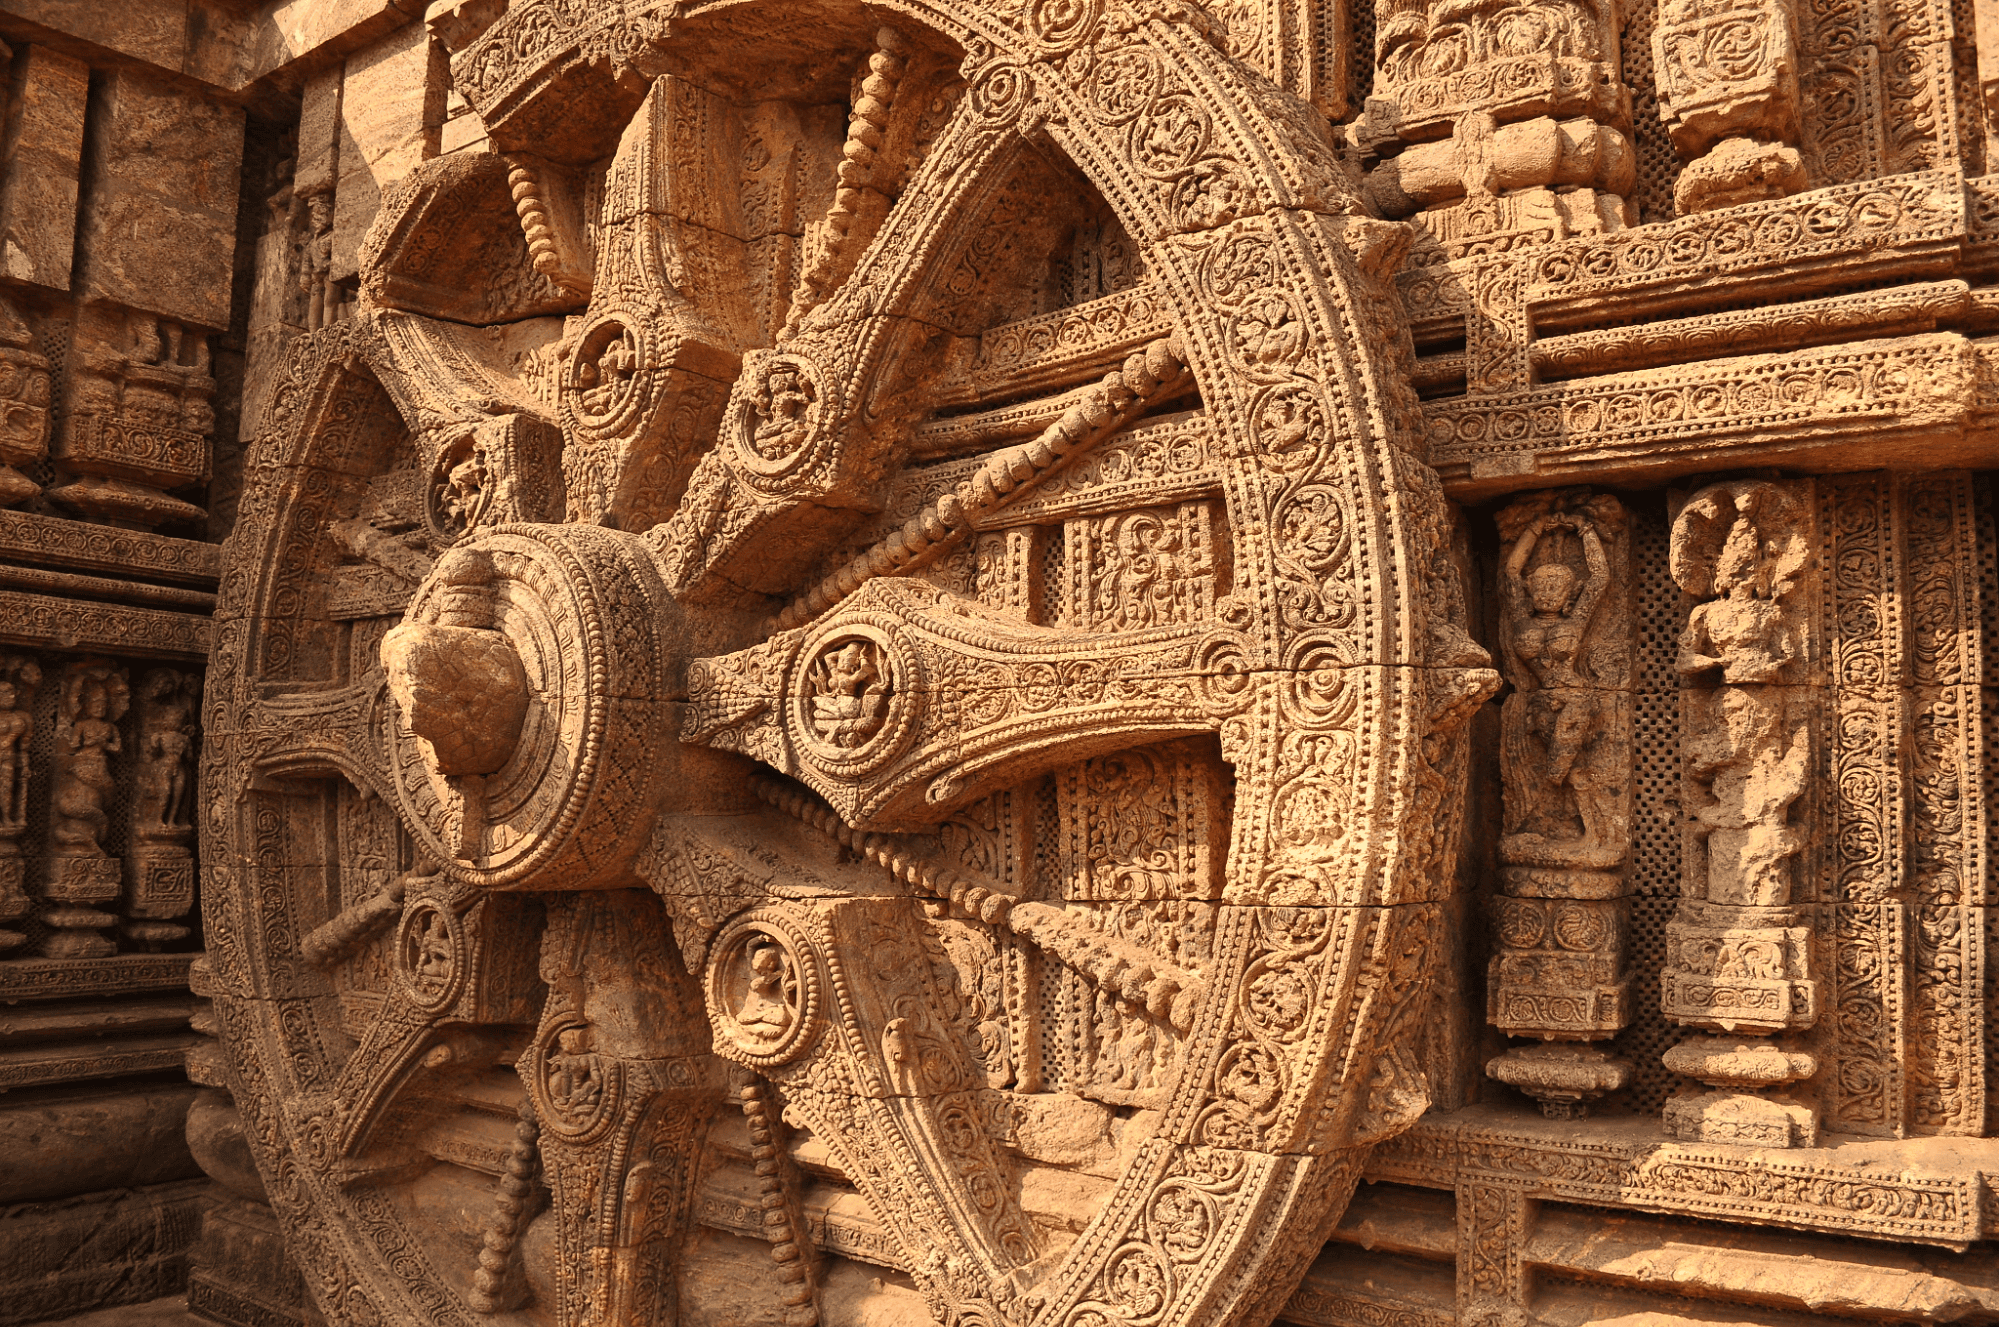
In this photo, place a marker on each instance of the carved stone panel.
(1566, 767)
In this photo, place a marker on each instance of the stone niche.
(1058, 662)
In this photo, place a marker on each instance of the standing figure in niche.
(94, 699)
(1548, 609)
(1741, 547)
(166, 747)
(18, 679)
(1548, 615)
(464, 496)
(17, 725)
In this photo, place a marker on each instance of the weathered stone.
(73, 1140)
(39, 168)
(164, 179)
(119, 1247)
(391, 109)
(238, 1271)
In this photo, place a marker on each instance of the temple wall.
(1707, 360)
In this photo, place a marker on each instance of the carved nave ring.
(881, 580)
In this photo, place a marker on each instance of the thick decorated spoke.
(812, 421)
(311, 734)
(456, 980)
(908, 702)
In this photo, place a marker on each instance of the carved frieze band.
(111, 975)
(1888, 394)
(64, 624)
(1632, 1168)
(46, 539)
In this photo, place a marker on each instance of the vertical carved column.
(1739, 946)
(24, 407)
(1948, 850)
(1861, 809)
(1301, 45)
(19, 677)
(624, 1088)
(1904, 876)
(1493, 1218)
(1727, 78)
(1566, 625)
(159, 852)
(79, 875)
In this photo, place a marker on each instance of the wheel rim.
(1331, 669)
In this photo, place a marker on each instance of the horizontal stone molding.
(137, 553)
(67, 624)
(1060, 348)
(1907, 226)
(115, 975)
(1930, 1192)
(1899, 400)
(98, 1059)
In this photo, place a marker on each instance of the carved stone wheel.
(867, 577)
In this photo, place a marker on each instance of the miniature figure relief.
(19, 679)
(80, 875)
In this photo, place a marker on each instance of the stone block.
(318, 134)
(163, 179)
(59, 1141)
(292, 30)
(155, 31)
(1722, 1117)
(239, 1272)
(97, 1251)
(39, 167)
(391, 109)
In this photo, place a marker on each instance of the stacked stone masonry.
(1019, 661)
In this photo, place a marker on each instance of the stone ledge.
(64, 624)
(71, 979)
(63, 543)
(99, 1058)
(1932, 1191)
(1870, 231)
(1908, 401)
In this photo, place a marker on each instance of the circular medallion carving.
(604, 385)
(763, 990)
(459, 495)
(778, 417)
(855, 691)
(430, 956)
(576, 1088)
